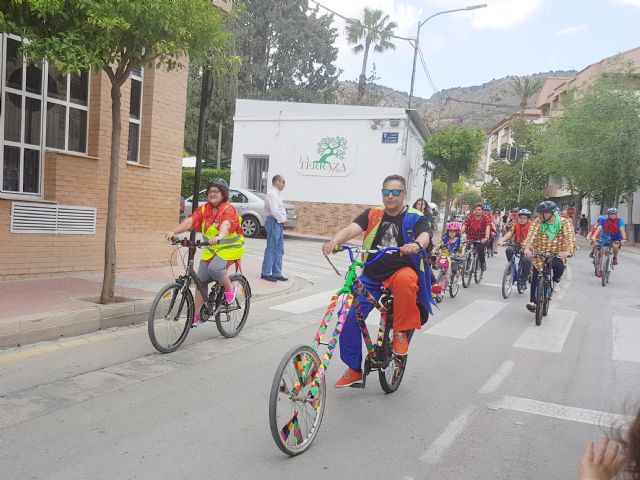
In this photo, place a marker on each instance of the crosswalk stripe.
(306, 304)
(467, 320)
(553, 410)
(626, 338)
(551, 335)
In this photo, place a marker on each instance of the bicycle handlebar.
(185, 242)
(353, 251)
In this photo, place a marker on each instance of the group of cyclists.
(407, 274)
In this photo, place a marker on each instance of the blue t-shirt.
(606, 236)
(452, 247)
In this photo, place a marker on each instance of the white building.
(333, 157)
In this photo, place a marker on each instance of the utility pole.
(219, 141)
(525, 156)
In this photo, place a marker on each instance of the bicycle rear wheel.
(296, 404)
(170, 317)
(507, 281)
(391, 375)
(231, 320)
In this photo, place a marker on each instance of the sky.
(508, 37)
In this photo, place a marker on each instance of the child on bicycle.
(452, 241)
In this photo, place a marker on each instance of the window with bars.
(135, 115)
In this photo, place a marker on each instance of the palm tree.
(525, 88)
(376, 30)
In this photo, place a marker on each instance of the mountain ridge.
(458, 105)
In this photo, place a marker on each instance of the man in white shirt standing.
(276, 218)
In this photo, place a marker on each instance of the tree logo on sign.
(330, 147)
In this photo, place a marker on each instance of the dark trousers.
(557, 265)
(481, 251)
(525, 263)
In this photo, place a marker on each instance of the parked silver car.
(250, 206)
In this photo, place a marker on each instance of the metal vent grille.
(54, 219)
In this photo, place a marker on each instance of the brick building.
(55, 141)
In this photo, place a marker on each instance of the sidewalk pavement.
(35, 310)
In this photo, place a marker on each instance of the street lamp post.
(415, 46)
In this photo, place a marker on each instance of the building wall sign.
(389, 137)
(333, 157)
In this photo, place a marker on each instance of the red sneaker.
(350, 377)
(400, 343)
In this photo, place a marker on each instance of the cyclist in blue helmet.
(612, 229)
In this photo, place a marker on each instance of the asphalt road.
(486, 394)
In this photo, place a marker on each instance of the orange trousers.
(404, 286)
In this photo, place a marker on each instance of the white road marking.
(486, 284)
(441, 444)
(306, 304)
(467, 320)
(551, 335)
(497, 378)
(626, 338)
(554, 410)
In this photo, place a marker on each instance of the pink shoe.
(196, 321)
(230, 296)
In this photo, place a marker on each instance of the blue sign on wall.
(389, 137)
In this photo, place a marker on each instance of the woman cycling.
(219, 224)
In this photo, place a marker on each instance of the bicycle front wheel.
(507, 281)
(296, 402)
(468, 272)
(170, 317)
(477, 270)
(539, 301)
(547, 298)
(391, 375)
(454, 286)
(605, 270)
(231, 319)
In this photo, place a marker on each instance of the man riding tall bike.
(406, 274)
(548, 234)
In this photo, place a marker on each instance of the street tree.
(117, 36)
(454, 152)
(525, 88)
(287, 51)
(594, 147)
(375, 30)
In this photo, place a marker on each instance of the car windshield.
(262, 196)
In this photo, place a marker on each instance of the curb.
(70, 323)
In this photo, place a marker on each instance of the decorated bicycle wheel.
(297, 399)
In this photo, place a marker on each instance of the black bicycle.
(512, 273)
(173, 308)
(472, 267)
(544, 289)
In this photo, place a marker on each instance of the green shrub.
(206, 174)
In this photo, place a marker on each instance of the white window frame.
(43, 98)
(137, 121)
(22, 92)
(68, 104)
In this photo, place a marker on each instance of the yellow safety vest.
(229, 248)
